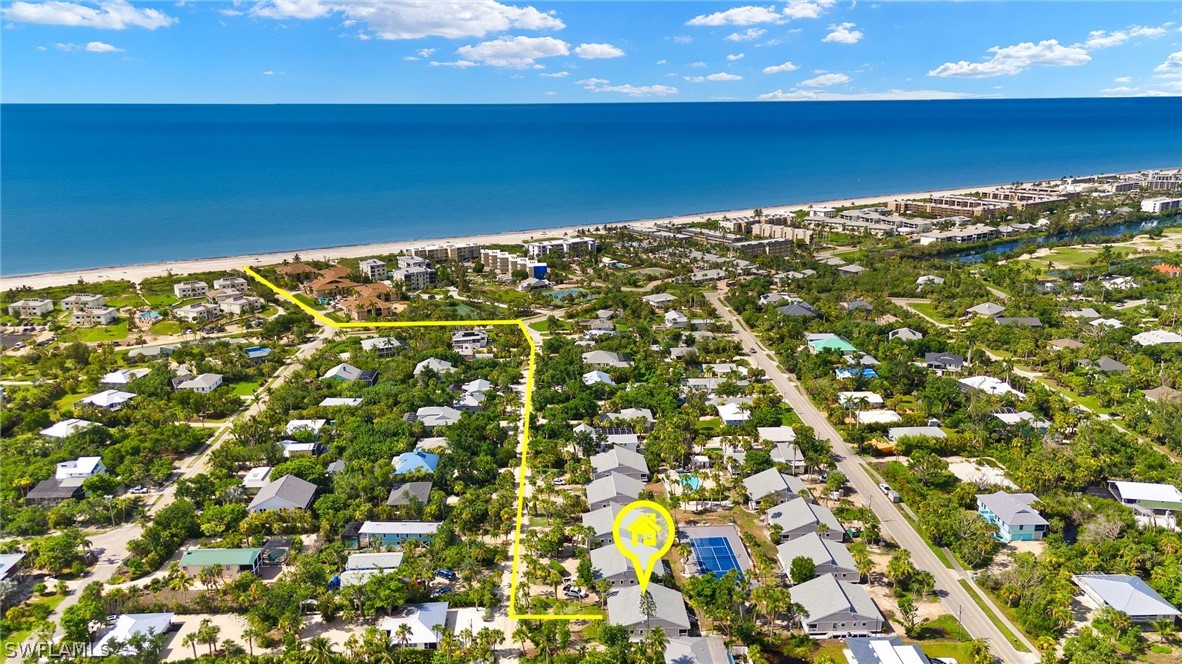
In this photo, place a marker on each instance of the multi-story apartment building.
(82, 301)
(187, 290)
(374, 269)
(30, 308)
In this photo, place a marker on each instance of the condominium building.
(240, 304)
(94, 316)
(30, 308)
(186, 290)
(447, 252)
(778, 232)
(503, 262)
(237, 284)
(572, 245)
(415, 278)
(973, 233)
(948, 205)
(374, 269)
(413, 261)
(198, 312)
(1159, 205)
(81, 301)
(767, 247)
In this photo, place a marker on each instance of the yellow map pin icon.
(643, 531)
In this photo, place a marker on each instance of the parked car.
(558, 481)
(446, 574)
(886, 488)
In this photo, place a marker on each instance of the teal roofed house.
(415, 462)
(819, 343)
(231, 561)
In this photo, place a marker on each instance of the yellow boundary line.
(529, 389)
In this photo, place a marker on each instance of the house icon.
(644, 530)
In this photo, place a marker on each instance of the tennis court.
(714, 555)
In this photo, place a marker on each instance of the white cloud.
(843, 33)
(748, 15)
(721, 76)
(42, 49)
(408, 19)
(426, 52)
(1104, 39)
(89, 47)
(825, 80)
(110, 15)
(1015, 59)
(661, 62)
(230, 12)
(888, 95)
(698, 65)
(682, 39)
(1172, 66)
(458, 64)
(557, 74)
(271, 72)
(807, 8)
(598, 51)
(513, 52)
(551, 93)
(736, 56)
(750, 34)
(602, 85)
(779, 69)
(1122, 79)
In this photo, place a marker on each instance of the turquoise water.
(691, 482)
(100, 185)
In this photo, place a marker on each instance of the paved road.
(954, 597)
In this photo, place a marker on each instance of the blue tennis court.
(714, 555)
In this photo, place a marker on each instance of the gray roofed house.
(286, 493)
(671, 616)
(349, 373)
(437, 416)
(905, 334)
(772, 482)
(895, 433)
(943, 361)
(613, 488)
(1162, 394)
(1128, 594)
(1013, 515)
(857, 305)
(851, 269)
(697, 650)
(434, 364)
(988, 309)
(797, 518)
(837, 607)
(830, 557)
(52, 491)
(383, 346)
(1086, 313)
(631, 414)
(605, 358)
(401, 493)
(1109, 365)
(619, 460)
(799, 310)
(790, 455)
(10, 564)
(865, 650)
(608, 562)
(600, 521)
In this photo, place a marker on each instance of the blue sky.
(485, 51)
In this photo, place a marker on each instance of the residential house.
(829, 557)
(697, 650)
(1013, 515)
(878, 416)
(895, 434)
(788, 454)
(331, 402)
(312, 426)
(1146, 497)
(257, 354)
(110, 400)
(437, 416)
(292, 448)
(928, 280)
(613, 488)
(10, 565)
(631, 414)
(989, 385)
(441, 367)
(385, 347)
(865, 650)
(797, 518)
(257, 478)
(799, 310)
(670, 616)
(676, 320)
(660, 300)
(734, 412)
(348, 373)
(597, 377)
(116, 642)
(619, 460)
(773, 483)
(403, 493)
(471, 339)
(851, 270)
(366, 306)
(361, 567)
(1168, 270)
(859, 399)
(904, 334)
(202, 384)
(67, 428)
(393, 534)
(1157, 338)
(941, 362)
(416, 625)
(123, 377)
(600, 522)
(987, 309)
(1106, 364)
(410, 463)
(1023, 321)
(30, 308)
(287, 493)
(187, 290)
(1011, 417)
(837, 608)
(296, 271)
(1064, 344)
(240, 305)
(1128, 594)
(604, 358)
(1162, 394)
(53, 491)
(608, 562)
(80, 468)
(231, 562)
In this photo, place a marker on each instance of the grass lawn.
(157, 300)
(165, 327)
(67, 402)
(790, 419)
(1005, 631)
(114, 332)
(710, 425)
(833, 650)
(315, 304)
(245, 388)
(16, 638)
(927, 309)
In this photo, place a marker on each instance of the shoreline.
(137, 272)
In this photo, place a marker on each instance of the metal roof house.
(619, 460)
(422, 619)
(608, 562)
(613, 488)
(830, 557)
(864, 650)
(837, 608)
(1148, 497)
(697, 650)
(401, 493)
(67, 428)
(600, 521)
(287, 493)
(797, 518)
(1127, 594)
(127, 626)
(772, 482)
(671, 616)
(1013, 515)
(231, 561)
(349, 373)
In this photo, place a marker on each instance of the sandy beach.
(139, 272)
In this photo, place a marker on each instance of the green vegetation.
(166, 327)
(1005, 631)
(114, 332)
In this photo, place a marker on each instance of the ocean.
(103, 185)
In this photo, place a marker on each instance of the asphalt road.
(955, 599)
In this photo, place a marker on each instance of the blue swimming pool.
(691, 482)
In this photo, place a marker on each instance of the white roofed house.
(384, 346)
(829, 557)
(867, 650)
(611, 488)
(313, 426)
(434, 364)
(987, 309)
(241, 304)
(773, 483)
(797, 518)
(82, 302)
(597, 377)
(631, 414)
(660, 300)
(348, 373)
(197, 312)
(676, 320)
(130, 626)
(82, 467)
(697, 650)
(671, 616)
(257, 478)
(111, 400)
(422, 623)
(989, 385)
(94, 316)
(619, 460)
(202, 384)
(1159, 502)
(186, 290)
(231, 283)
(123, 377)
(67, 428)
(469, 338)
(833, 607)
(605, 358)
(1129, 595)
(437, 416)
(733, 413)
(1157, 338)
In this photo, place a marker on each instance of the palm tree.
(1165, 629)
(402, 634)
(250, 634)
(208, 632)
(654, 645)
(320, 651)
(191, 639)
(179, 582)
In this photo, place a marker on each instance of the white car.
(558, 481)
(886, 488)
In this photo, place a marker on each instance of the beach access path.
(139, 272)
(954, 597)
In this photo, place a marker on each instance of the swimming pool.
(691, 482)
